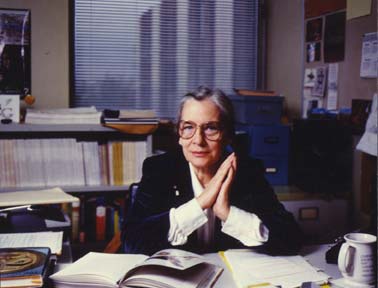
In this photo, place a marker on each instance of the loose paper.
(369, 142)
(333, 72)
(369, 55)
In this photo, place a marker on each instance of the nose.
(199, 137)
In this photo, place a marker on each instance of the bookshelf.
(111, 194)
(87, 132)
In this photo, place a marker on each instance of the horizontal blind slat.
(146, 54)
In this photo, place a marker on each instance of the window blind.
(146, 54)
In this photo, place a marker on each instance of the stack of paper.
(81, 115)
(251, 268)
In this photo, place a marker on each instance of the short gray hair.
(219, 98)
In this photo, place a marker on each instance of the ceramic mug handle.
(343, 260)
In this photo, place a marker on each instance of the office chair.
(115, 245)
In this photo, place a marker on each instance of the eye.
(211, 128)
(187, 127)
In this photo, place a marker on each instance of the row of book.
(68, 162)
(96, 218)
(89, 115)
(79, 115)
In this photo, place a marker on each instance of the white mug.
(356, 259)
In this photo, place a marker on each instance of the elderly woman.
(201, 198)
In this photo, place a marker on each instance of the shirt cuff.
(184, 220)
(246, 227)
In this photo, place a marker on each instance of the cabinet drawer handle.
(264, 110)
(271, 140)
(271, 170)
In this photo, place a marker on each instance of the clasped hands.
(216, 193)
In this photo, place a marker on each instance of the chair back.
(133, 189)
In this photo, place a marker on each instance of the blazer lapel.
(182, 183)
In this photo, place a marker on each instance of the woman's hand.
(221, 206)
(215, 186)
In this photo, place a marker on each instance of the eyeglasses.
(211, 130)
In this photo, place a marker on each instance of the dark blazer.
(166, 183)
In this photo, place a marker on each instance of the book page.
(177, 259)
(201, 275)
(50, 239)
(86, 270)
(174, 268)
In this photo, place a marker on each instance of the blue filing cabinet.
(260, 118)
(270, 143)
(257, 110)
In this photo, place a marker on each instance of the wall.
(285, 54)
(49, 50)
(284, 51)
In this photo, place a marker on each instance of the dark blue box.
(258, 109)
(267, 140)
(276, 169)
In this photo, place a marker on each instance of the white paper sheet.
(251, 268)
(333, 72)
(369, 143)
(53, 240)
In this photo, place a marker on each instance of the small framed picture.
(15, 60)
(10, 107)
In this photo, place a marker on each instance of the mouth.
(199, 153)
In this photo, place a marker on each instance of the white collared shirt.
(184, 220)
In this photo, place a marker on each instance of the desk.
(315, 254)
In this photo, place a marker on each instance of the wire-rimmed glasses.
(211, 130)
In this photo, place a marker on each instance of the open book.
(170, 268)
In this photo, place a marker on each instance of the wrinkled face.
(202, 119)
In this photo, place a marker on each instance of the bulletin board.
(336, 47)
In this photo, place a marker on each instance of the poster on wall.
(334, 37)
(15, 52)
(320, 82)
(369, 56)
(314, 29)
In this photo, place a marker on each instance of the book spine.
(109, 222)
(82, 236)
(104, 164)
(116, 222)
(75, 220)
(100, 222)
